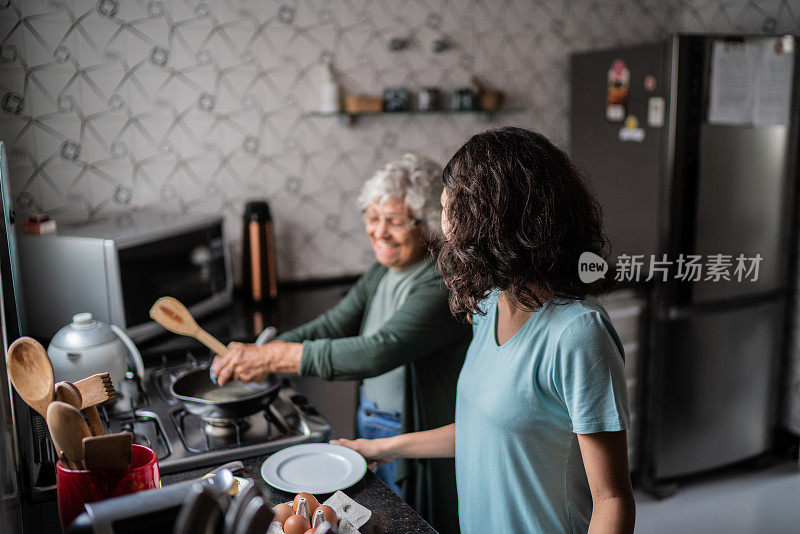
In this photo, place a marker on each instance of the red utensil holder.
(77, 487)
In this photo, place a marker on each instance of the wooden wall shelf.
(349, 118)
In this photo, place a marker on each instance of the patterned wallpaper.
(190, 105)
(740, 16)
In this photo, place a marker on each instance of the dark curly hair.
(520, 214)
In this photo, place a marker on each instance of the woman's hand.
(252, 363)
(375, 451)
(435, 443)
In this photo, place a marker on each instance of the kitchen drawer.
(633, 440)
(628, 323)
(631, 360)
(625, 310)
(633, 395)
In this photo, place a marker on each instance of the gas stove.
(185, 441)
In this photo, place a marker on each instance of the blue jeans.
(372, 423)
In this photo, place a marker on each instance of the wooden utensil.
(67, 428)
(31, 373)
(94, 390)
(67, 392)
(172, 315)
(112, 451)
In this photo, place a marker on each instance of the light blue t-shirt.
(519, 407)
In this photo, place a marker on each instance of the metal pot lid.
(82, 333)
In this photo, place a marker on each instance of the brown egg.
(282, 511)
(296, 524)
(325, 513)
(310, 531)
(313, 503)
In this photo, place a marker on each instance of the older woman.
(541, 410)
(393, 331)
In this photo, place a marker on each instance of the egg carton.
(352, 515)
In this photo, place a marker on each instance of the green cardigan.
(423, 336)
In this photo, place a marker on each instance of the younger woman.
(541, 407)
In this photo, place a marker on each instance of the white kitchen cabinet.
(626, 308)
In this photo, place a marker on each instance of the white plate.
(314, 468)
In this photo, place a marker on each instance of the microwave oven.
(116, 266)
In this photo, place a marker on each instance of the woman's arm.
(421, 326)
(343, 320)
(252, 363)
(605, 458)
(436, 443)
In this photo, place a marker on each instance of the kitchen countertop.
(390, 514)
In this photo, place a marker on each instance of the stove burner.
(223, 428)
(146, 431)
(201, 434)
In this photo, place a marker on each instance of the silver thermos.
(259, 274)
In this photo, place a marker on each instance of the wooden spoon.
(172, 315)
(67, 428)
(69, 393)
(112, 451)
(31, 373)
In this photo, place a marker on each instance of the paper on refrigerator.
(750, 84)
(733, 82)
(774, 91)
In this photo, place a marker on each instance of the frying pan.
(200, 396)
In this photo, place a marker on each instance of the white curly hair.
(417, 181)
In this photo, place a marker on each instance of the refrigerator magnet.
(617, 87)
(655, 112)
(650, 83)
(631, 130)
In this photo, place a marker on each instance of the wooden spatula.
(112, 451)
(31, 373)
(67, 428)
(172, 315)
(94, 390)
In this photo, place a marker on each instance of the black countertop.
(390, 514)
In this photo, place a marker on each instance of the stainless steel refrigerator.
(692, 154)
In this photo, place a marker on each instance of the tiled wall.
(190, 105)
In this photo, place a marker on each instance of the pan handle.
(267, 335)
